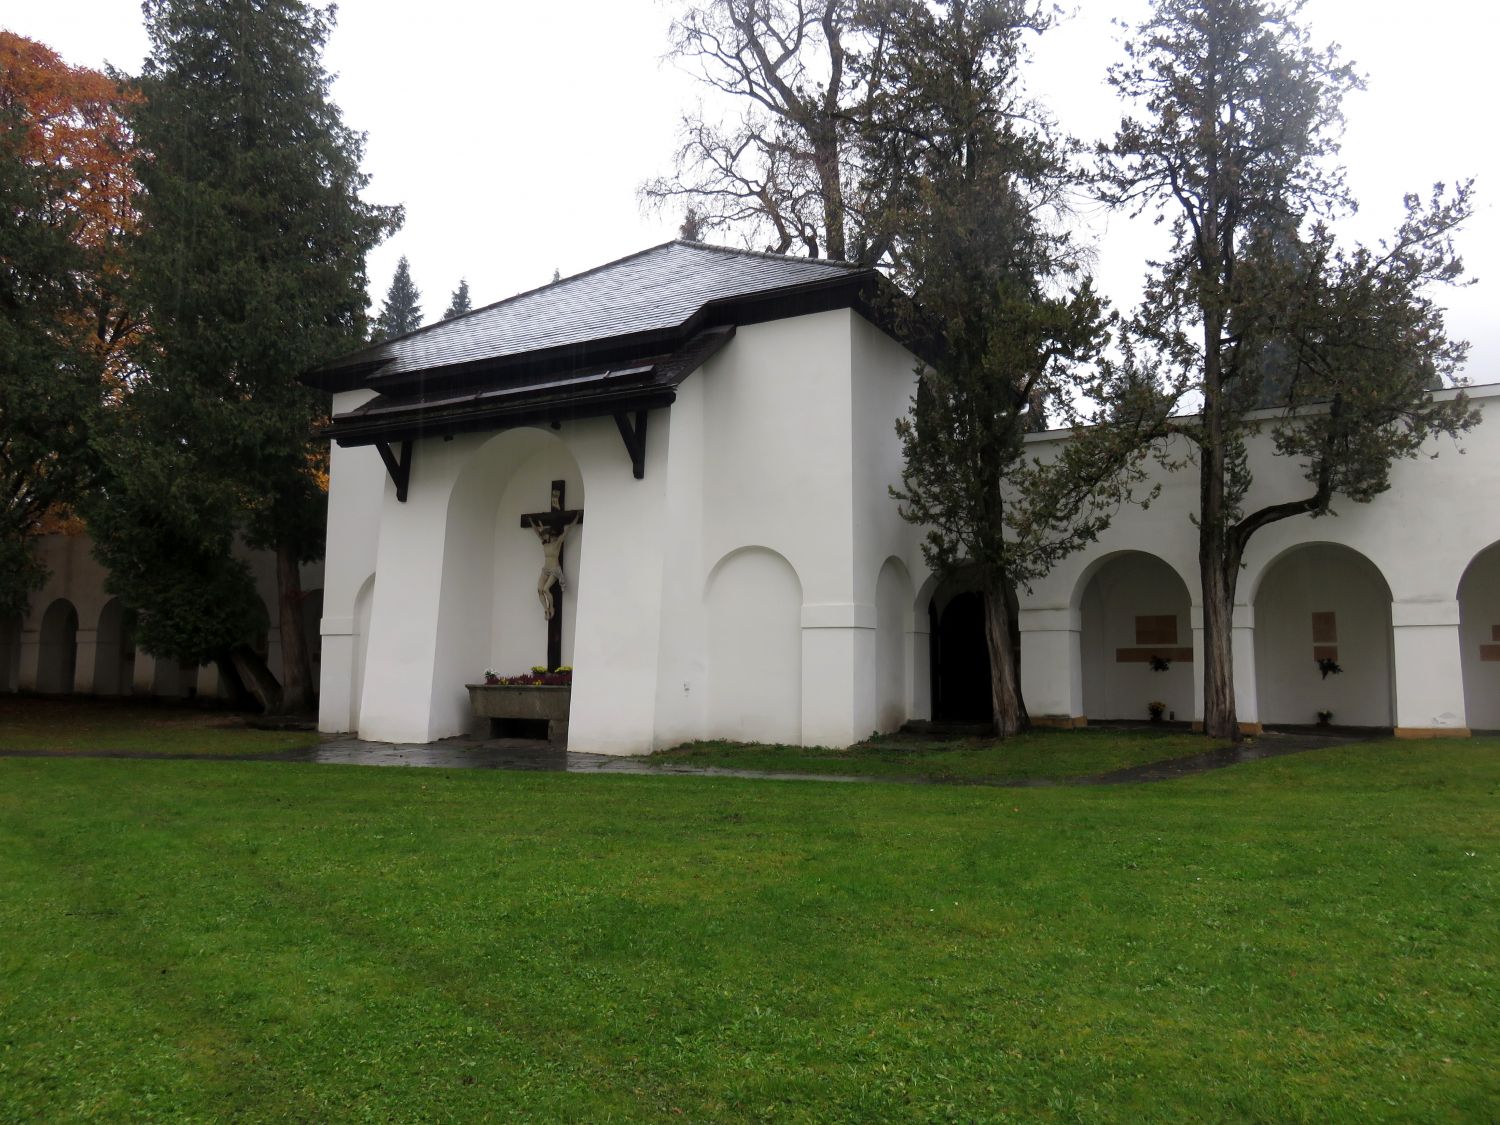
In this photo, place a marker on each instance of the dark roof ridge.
(771, 254)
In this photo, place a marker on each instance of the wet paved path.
(539, 757)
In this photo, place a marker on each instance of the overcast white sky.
(516, 133)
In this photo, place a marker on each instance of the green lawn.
(1037, 754)
(68, 724)
(1308, 938)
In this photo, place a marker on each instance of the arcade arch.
(114, 656)
(57, 655)
(1324, 602)
(1479, 636)
(1136, 639)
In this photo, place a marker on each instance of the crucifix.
(551, 528)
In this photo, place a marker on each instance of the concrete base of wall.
(1432, 732)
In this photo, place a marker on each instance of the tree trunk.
(1218, 566)
(253, 673)
(1005, 678)
(241, 698)
(1219, 720)
(297, 695)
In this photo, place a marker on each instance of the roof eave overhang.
(858, 289)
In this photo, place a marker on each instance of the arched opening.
(57, 658)
(960, 654)
(1136, 639)
(754, 609)
(893, 599)
(114, 656)
(1479, 634)
(489, 612)
(1323, 639)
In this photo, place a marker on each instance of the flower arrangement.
(1157, 709)
(1328, 667)
(1160, 663)
(539, 676)
(1324, 718)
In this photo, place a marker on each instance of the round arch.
(114, 656)
(1319, 607)
(1479, 638)
(753, 603)
(488, 613)
(1135, 637)
(57, 657)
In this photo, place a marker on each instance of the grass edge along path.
(1304, 938)
(1037, 754)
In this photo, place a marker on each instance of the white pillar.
(1195, 618)
(208, 681)
(143, 680)
(335, 691)
(1052, 666)
(1242, 642)
(1429, 670)
(838, 673)
(87, 657)
(31, 658)
(919, 642)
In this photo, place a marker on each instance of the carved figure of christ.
(551, 528)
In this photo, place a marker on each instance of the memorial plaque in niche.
(1325, 628)
(1491, 653)
(1158, 630)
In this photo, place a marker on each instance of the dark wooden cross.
(550, 527)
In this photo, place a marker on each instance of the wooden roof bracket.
(635, 440)
(400, 470)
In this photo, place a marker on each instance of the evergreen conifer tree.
(402, 311)
(460, 303)
(250, 268)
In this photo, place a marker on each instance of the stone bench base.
(530, 702)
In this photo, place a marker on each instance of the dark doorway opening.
(961, 659)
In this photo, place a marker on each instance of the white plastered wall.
(1420, 536)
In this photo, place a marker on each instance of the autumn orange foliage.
(74, 124)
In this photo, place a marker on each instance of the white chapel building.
(724, 422)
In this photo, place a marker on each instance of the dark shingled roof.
(653, 291)
(615, 341)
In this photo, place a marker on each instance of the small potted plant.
(491, 677)
(1157, 709)
(1328, 666)
(1160, 663)
(1325, 718)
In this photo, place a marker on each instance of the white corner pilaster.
(919, 646)
(31, 658)
(1428, 656)
(1052, 665)
(1195, 618)
(838, 673)
(1242, 642)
